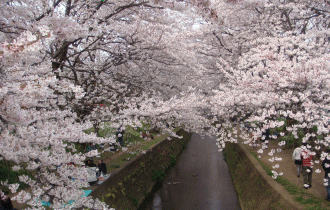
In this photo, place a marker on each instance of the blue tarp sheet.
(87, 192)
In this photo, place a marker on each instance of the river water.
(200, 180)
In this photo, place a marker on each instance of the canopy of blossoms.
(67, 66)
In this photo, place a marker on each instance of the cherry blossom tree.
(35, 130)
(276, 67)
(67, 66)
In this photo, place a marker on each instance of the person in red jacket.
(307, 166)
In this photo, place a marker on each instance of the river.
(200, 180)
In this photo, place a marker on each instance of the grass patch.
(115, 166)
(310, 201)
(148, 144)
(142, 145)
(299, 198)
(293, 190)
(316, 207)
(6, 173)
(116, 163)
(132, 139)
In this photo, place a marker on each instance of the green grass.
(130, 133)
(316, 207)
(147, 145)
(293, 190)
(120, 160)
(6, 173)
(116, 163)
(131, 138)
(142, 146)
(310, 201)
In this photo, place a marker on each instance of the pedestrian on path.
(297, 159)
(326, 167)
(265, 138)
(307, 166)
(120, 136)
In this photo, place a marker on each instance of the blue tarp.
(87, 192)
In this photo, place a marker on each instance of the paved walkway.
(288, 167)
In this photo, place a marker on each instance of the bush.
(290, 140)
(172, 160)
(158, 175)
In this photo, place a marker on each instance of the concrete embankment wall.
(255, 188)
(127, 188)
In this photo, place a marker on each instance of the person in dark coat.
(102, 168)
(90, 163)
(5, 203)
(120, 136)
(265, 139)
(326, 167)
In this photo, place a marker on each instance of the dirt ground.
(288, 168)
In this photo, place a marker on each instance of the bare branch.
(221, 42)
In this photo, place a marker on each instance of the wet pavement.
(200, 180)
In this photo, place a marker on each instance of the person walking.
(297, 159)
(326, 168)
(265, 138)
(307, 166)
(120, 136)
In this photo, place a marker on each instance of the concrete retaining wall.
(128, 187)
(255, 188)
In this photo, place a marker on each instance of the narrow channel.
(200, 180)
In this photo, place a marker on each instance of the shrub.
(172, 160)
(158, 175)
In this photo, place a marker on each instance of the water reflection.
(199, 180)
(157, 202)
